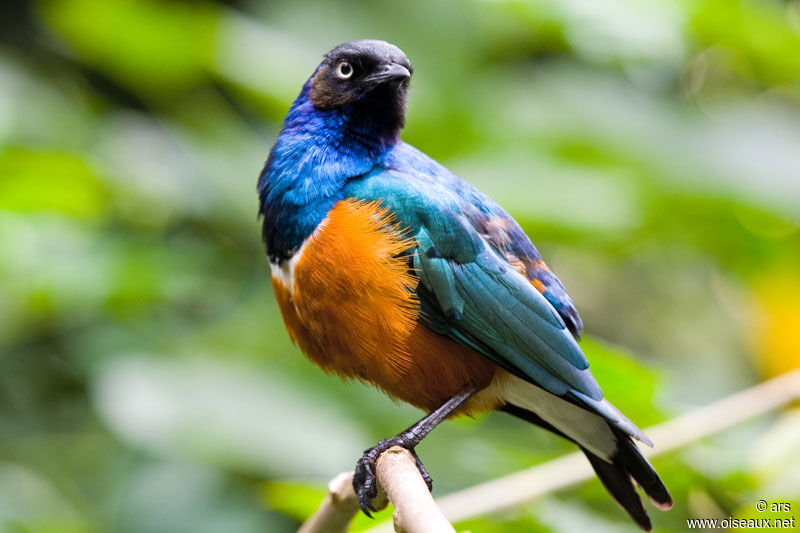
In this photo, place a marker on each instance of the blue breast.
(315, 155)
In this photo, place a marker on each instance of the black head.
(369, 71)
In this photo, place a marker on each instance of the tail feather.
(617, 473)
(618, 483)
(640, 469)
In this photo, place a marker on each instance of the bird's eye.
(344, 70)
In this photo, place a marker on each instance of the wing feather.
(472, 287)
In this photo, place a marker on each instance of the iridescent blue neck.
(315, 155)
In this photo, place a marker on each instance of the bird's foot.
(365, 482)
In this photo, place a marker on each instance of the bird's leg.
(364, 481)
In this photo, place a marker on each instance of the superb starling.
(389, 268)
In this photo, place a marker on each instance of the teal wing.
(486, 303)
(469, 292)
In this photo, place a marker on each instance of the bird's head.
(360, 70)
(365, 79)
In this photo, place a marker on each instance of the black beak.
(389, 72)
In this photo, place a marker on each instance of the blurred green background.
(650, 148)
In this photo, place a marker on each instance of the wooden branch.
(399, 482)
(415, 509)
(336, 510)
(524, 486)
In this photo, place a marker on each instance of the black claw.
(426, 476)
(365, 483)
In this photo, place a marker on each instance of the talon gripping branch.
(390, 269)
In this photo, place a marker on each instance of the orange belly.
(349, 304)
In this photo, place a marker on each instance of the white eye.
(344, 70)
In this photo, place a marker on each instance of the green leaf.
(627, 383)
(37, 181)
(156, 48)
(296, 500)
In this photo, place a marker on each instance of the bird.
(390, 269)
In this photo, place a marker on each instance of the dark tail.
(627, 466)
